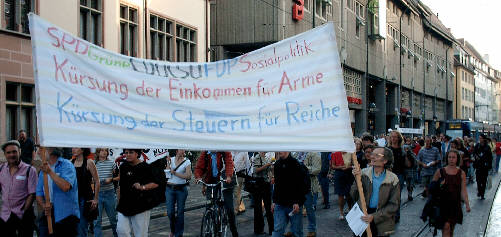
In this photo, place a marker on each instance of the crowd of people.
(285, 185)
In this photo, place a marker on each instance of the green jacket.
(314, 164)
(388, 202)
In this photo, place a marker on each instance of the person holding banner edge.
(382, 192)
(63, 191)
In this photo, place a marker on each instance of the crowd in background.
(285, 185)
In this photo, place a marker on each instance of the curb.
(490, 210)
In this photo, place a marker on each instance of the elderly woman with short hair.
(381, 191)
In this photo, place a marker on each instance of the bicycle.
(214, 220)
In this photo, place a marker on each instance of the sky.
(475, 20)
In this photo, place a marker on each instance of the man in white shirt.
(242, 167)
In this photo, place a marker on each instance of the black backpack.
(432, 211)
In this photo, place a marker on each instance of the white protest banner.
(288, 96)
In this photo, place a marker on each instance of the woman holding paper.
(382, 192)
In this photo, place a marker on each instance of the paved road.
(327, 222)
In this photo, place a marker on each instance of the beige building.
(464, 93)
(168, 30)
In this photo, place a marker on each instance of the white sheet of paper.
(354, 219)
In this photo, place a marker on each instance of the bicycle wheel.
(208, 225)
(223, 222)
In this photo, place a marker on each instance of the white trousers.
(138, 224)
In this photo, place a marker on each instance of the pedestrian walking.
(452, 193)
(445, 147)
(262, 174)
(289, 195)
(323, 178)
(498, 153)
(367, 156)
(18, 182)
(359, 152)
(399, 157)
(63, 193)
(88, 198)
(210, 168)
(428, 159)
(367, 139)
(343, 178)
(381, 191)
(465, 155)
(136, 187)
(178, 170)
(313, 163)
(107, 197)
(482, 164)
(27, 147)
(409, 170)
(242, 166)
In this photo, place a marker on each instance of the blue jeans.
(324, 185)
(107, 202)
(281, 218)
(173, 197)
(311, 206)
(83, 225)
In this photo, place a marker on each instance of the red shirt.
(203, 169)
(337, 158)
(417, 148)
(498, 148)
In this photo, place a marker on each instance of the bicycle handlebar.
(210, 185)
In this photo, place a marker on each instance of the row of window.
(16, 14)
(20, 109)
(322, 8)
(467, 95)
(169, 40)
(352, 83)
(467, 78)
(467, 112)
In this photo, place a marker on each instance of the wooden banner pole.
(358, 179)
(46, 190)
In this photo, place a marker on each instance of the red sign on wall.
(354, 100)
(298, 10)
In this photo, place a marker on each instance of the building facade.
(396, 55)
(170, 30)
(464, 93)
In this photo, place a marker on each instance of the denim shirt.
(65, 203)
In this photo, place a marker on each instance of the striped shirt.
(105, 171)
(427, 155)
